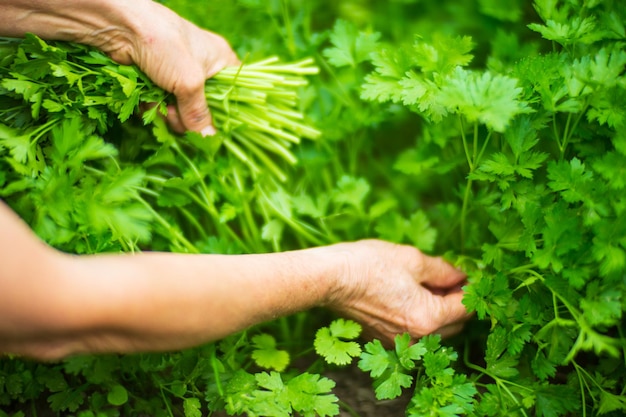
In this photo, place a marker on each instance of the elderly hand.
(177, 55)
(392, 289)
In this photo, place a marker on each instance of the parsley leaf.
(266, 355)
(334, 343)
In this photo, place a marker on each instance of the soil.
(354, 390)
(356, 395)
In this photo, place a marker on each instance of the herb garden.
(489, 132)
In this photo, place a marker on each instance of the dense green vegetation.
(491, 132)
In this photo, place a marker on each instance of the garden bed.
(488, 132)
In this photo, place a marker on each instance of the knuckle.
(189, 85)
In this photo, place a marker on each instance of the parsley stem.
(302, 229)
(557, 136)
(173, 233)
(216, 373)
(475, 147)
(248, 223)
(465, 145)
(583, 397)
(568, 132)
(348, 409)
(464, 210)
(288, 28)
(166, 402)
(483, 148)
(191, 219)
(501, 383)
(205, 195)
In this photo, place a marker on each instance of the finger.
(451, 309)
(174, 120)
(192, 106)
(437, 273)
(223, 55)
(450, 330)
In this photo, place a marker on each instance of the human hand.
(392, 289)
(177, 56)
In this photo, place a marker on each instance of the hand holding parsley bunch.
(177, 55)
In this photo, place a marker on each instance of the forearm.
(159, 301)
(93, 22)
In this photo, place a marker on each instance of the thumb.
(449, 309)
(193, 110)
(437, 273)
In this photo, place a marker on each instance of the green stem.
(464, 211)
(166, 402)
(348, 409)
(583, 397)
(216, 373)
(173, 233)
(568, 132)
(557, 136)
(502, 384)
(301, 229)
(521, 268)
(475, 147)
(483, 149)
(207, 200)
(465, 145)
(194, 222)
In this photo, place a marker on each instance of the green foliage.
(439, 391)
(491, 132)
(334, 343)
(266, 355)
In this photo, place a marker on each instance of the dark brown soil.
(356, 395)
(354, 389)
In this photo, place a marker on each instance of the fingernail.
(208, 131)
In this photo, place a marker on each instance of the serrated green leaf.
(266, 355)
(556, 400)
(67, 400)
(442, 53)
(310, 395)
(610, 402)
(408, 353)
(542, 366)
(421, 233)
(485, 98)
(391, 387)
(191, 407)
(577, 30)
(350, 47)
(375, 359)
(330, 344)
(351, 191)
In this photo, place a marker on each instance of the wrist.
(112, 26)
(335, 278)
(106, 24)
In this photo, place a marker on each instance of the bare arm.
(53, 305)
(177, 55)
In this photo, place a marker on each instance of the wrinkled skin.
(392, 289)
(179, 57)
